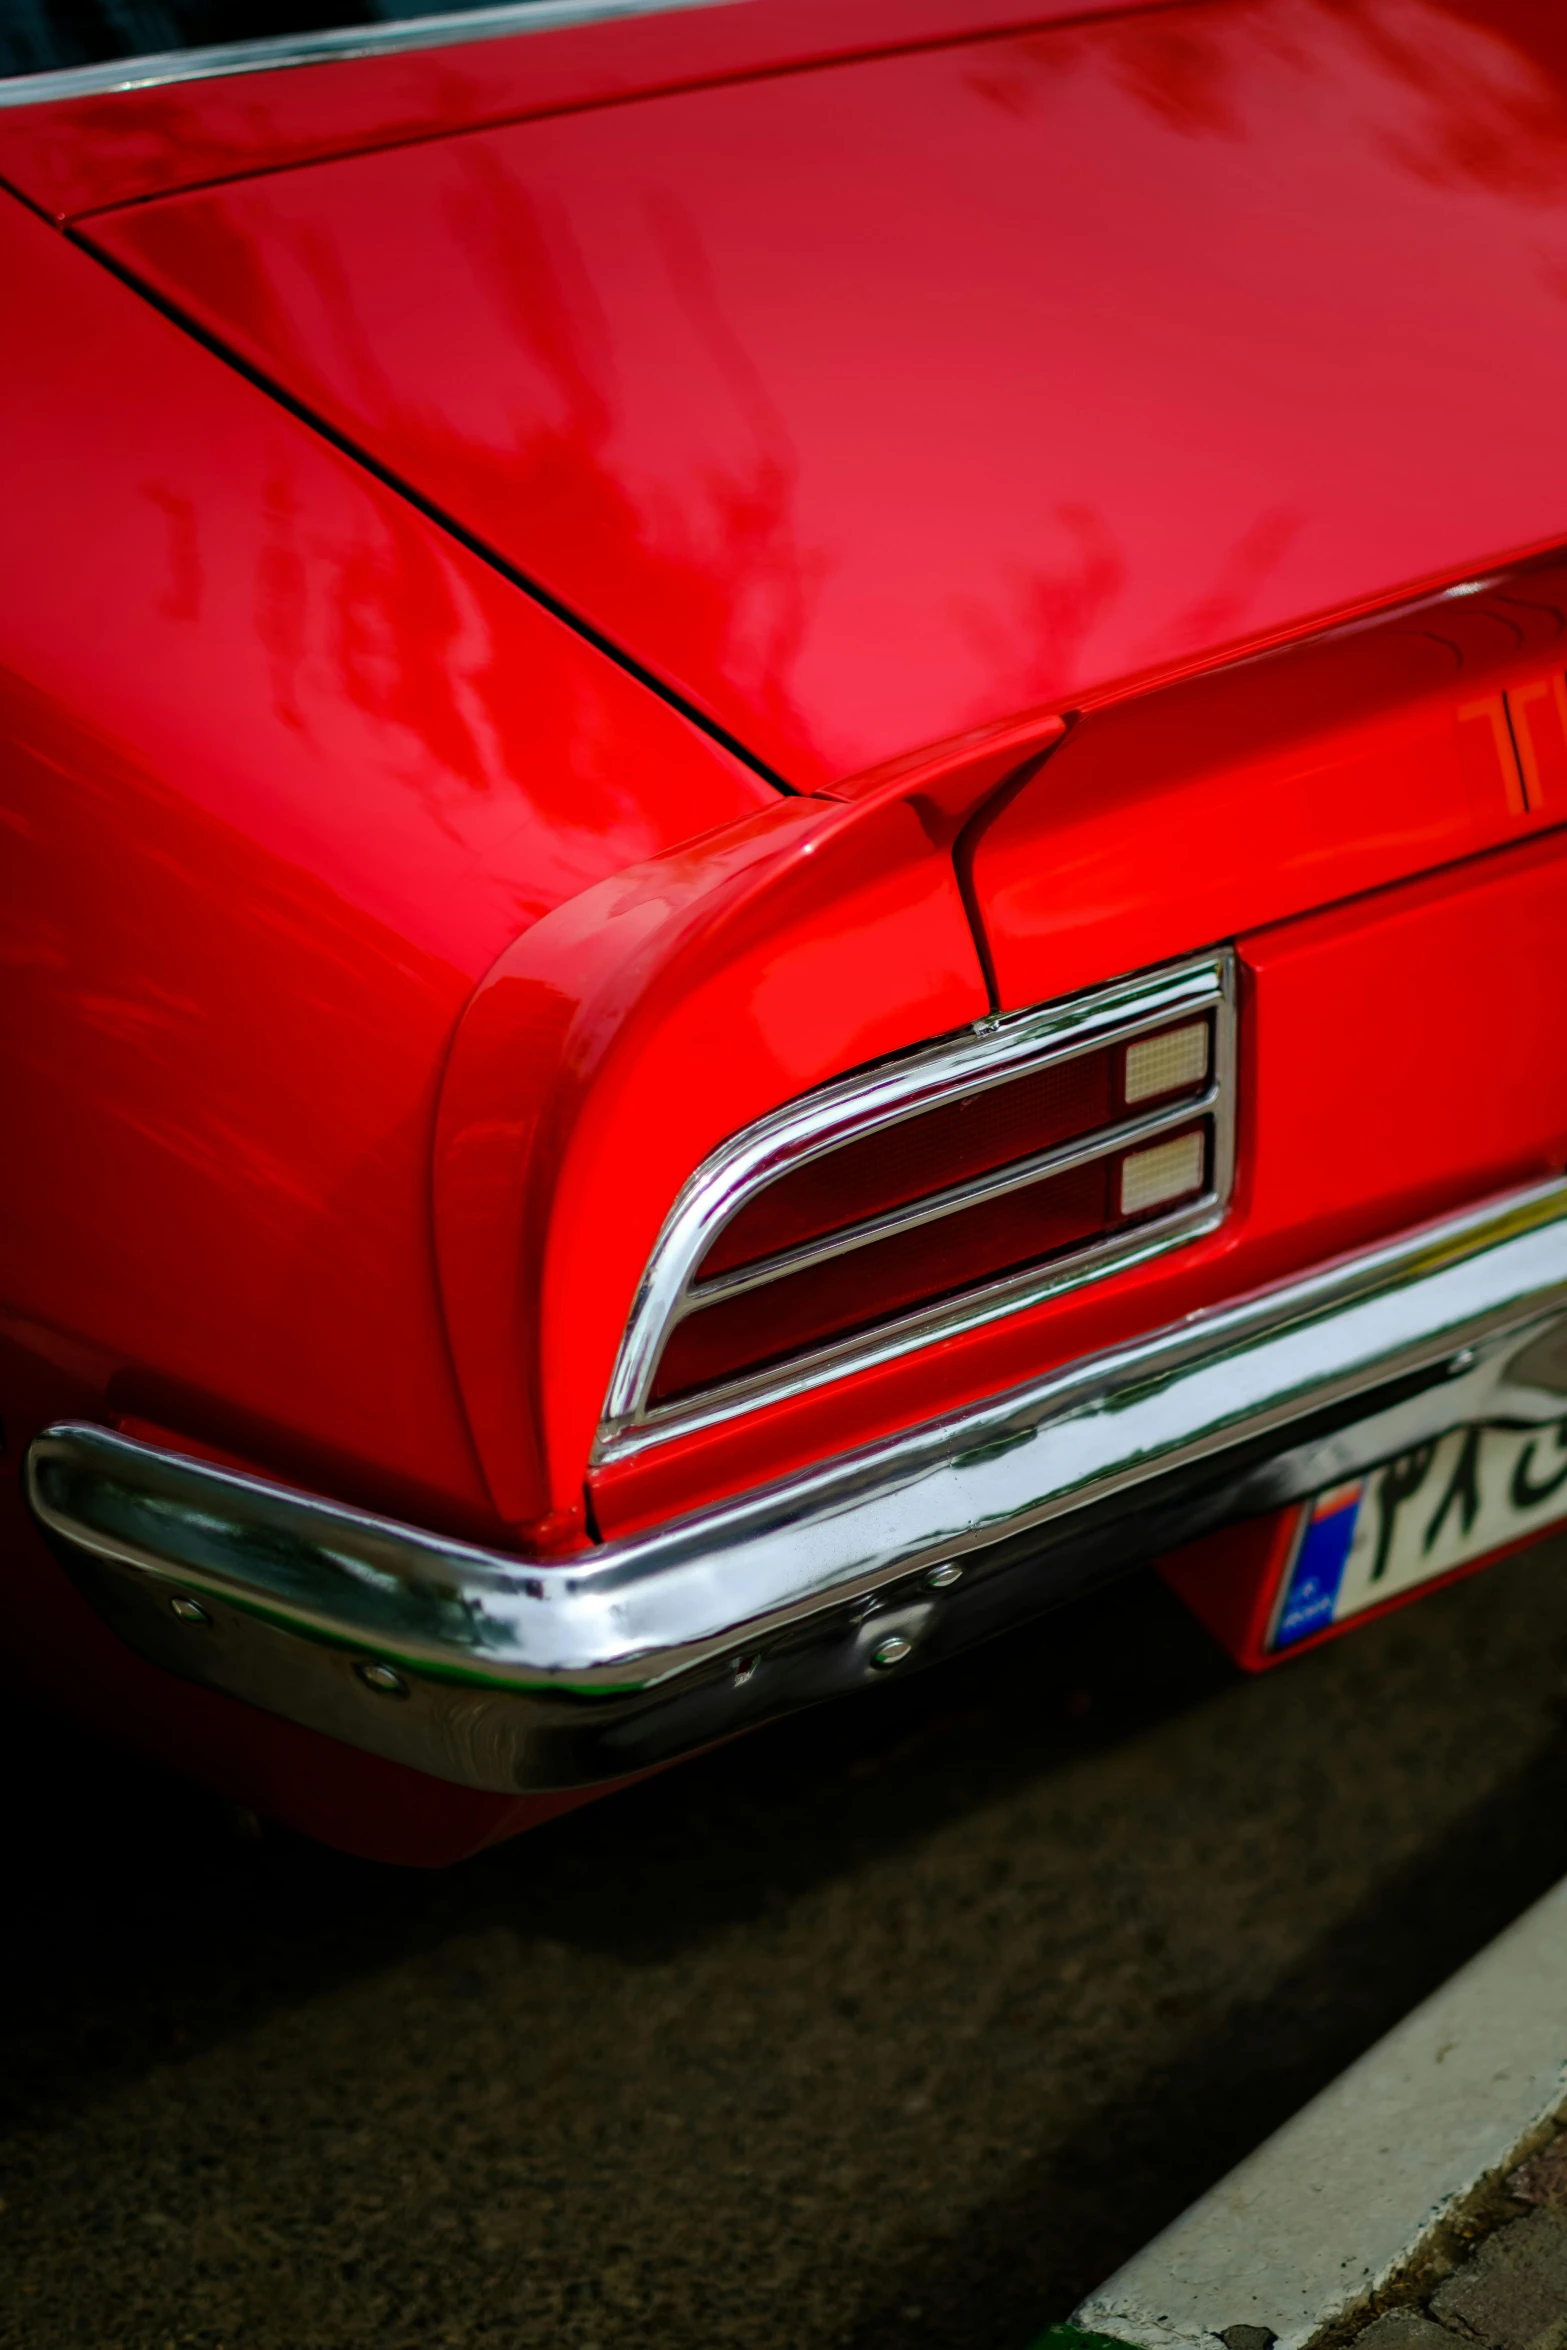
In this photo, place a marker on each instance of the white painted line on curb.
(1333, 2203)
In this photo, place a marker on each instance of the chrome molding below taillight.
(994, 1052)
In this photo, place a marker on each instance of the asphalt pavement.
(901, 2024)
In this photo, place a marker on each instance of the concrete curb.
(1333, 2204)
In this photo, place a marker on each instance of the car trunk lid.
(867, 404)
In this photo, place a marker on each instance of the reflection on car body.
(787, 805)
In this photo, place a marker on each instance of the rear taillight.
(935, 1191)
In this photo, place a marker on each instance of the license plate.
(1445, 1505)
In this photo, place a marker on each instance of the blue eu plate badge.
(1441, 1506)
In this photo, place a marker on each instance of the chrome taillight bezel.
(993, 1052)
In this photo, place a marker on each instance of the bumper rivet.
(383, 1680)
(189, 1611)
(891, 1651)
(943, 1577)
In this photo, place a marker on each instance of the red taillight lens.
(840, 1294)
(834, 1296)
(956, 1141)
(932, 1192)
(920, 1155)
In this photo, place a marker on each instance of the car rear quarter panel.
(285, 771)
(617, 1044)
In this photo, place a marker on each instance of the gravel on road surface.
(900, 2024)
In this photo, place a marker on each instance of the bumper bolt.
(383, 1680)
(189, 1611)
(891, 1651)
(943, 1577)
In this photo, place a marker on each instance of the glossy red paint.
(619, 1042)
(1230, 1581)
(1250, 793)
(77, 155)
(875, 402)
(285, 770)
(614, 1045)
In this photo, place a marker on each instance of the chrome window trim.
(993, 1052)
(335, 45)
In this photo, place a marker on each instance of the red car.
(785, 807)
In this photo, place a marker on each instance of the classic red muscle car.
(785, 805)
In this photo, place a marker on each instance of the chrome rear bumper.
(502, 1672)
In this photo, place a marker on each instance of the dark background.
(900, 2024)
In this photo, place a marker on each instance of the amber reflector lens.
(847, 1293)
(1174, 1061)
(921, 1155)
(1162, 1174)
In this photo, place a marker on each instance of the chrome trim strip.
(1016, 1175)
(994, 1051)
(684, 1613)
(970, 1310)
(325, 48)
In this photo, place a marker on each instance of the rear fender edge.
(673, 1004)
